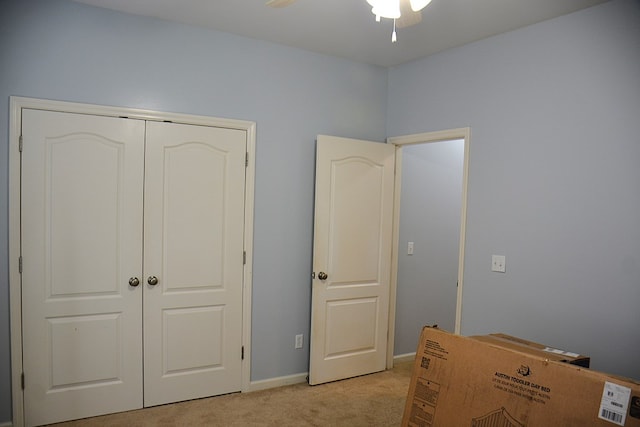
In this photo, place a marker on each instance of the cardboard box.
(533, 348)
(465, 382)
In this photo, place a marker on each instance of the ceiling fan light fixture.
(385, 8)
(407, 12)
(417, 5)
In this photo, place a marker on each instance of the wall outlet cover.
(498, 263)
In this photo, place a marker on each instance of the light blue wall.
(554, 179)
(430, 207)
(554, 156)
(57, 49)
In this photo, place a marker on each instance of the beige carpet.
(371, 400)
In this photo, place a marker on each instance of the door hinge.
(20, 144)
(22, 380)
(244, 257)
(241, 354)
(20, 264)
(246, 159)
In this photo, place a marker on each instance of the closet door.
(81, 202)
(193, 261)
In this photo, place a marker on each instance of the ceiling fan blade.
(407, 16)
(279, 3)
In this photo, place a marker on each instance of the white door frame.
(399, 142)
(15, 291)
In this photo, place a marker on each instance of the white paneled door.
(97, 294)
(82, 181)
(193, 232)
(351, 258)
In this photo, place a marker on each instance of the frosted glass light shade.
(417, 5)
(386, 8)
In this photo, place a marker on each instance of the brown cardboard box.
(530, 347)
(464, 382)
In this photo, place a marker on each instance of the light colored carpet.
(371, 400)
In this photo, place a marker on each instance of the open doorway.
(431, 180)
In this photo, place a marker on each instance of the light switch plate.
(299, 339)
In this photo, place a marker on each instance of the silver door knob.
(134, 281)
(152, 280)
(322, 275)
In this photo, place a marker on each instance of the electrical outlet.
(299, 340)
(498, 263)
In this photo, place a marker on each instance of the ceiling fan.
(405, 12)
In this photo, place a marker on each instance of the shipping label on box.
(459, 382)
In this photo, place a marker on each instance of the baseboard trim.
(408, 357)
(6, 424)
(277, 382)
(302, 377)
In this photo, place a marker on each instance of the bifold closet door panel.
(193, 261)
(81, 202)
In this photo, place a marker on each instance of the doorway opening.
(429, 234)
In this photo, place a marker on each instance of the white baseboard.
(408, 357)
(277, 382)
(302, 377)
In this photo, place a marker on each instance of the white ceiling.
(346, 28)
